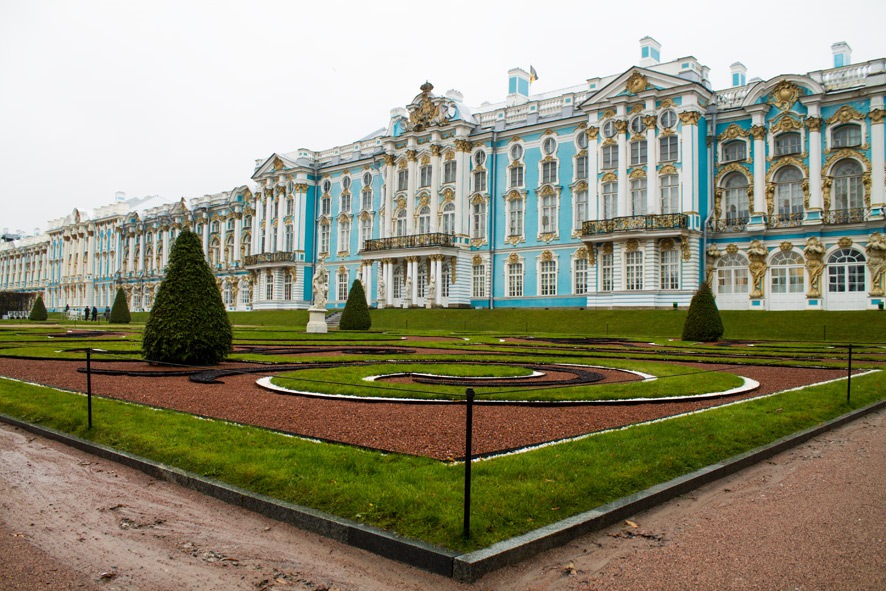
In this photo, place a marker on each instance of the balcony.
(786, 220)
(637, 223)
(845, 216)
(731, 224)
(283, 256)
(412, 241)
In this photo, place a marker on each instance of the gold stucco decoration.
(636, 83)
(784, 95)
(757, 254)
(845, 114)
(814, 251)
(632, 244)
(876, 251)
(844, 242)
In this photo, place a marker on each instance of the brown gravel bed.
(433, 430)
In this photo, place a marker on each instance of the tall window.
(846, 136)
(366, 201)
(480, 181)
(516, 177)
(549, 172)
(735, 150)
(610, 200)
(402, 179)
(732, 274)
(447, 220)
(324, 238)
(478, 281)
(397, 288)
(670, 269)
(667, 148)
(424, 175)
(580, 276)
(344, 236)
(287, 285)
(342, 285)
(788, 143)
(365, 230)
(548, 278)
(326, 206)
(449, 171)
(638, 196)
(424, 220)
(606, 267)
(401, 223)
(227, 294)
(848, 189)
(736, 185)
(478, 220)
(638, 152)
(549, 214)
(634, 270)
(287, 238)
(445, 279)
(515, 217)
(670, 194)
(581, 167)
(346, 202)
(610, 156)
(580, 208)
(786, 269)
(846, 271)
(788, 190)
(290, 202)
(515, 279)
(422, 283)
(269, 286)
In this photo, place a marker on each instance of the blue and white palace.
(627, 190)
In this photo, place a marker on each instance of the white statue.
(381, 289)
(408, 298)
(320, 284)
(432, 294)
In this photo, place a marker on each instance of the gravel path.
(432, 430)
(808, 519)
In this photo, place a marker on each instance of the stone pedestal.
(317, 321)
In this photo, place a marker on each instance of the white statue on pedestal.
(432, 294)
(320, 285)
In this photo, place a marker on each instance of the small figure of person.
(86, 313)
(107, 313)
(94, 314)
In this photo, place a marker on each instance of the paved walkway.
(808, 519)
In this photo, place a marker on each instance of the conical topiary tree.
(356, 314)
(38, 312)
(703, 321)
(120, 309)
(188, 323)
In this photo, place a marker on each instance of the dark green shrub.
(38, 312)
(120, 309)
(703, 321)
(356, 314)
(188, 323)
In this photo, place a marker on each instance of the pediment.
(275, 163)
(783, 92)
(636, 81)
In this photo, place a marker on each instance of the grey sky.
(179, 98)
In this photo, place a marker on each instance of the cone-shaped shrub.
(703, 321)
(356, 314)
(188, 323)
(120, 309)
(38, 312)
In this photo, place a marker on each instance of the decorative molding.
(845, 114)
(877, 116)
(758, 132)
(690, 117)
(784, 95)
(636, 83)
(632, 245)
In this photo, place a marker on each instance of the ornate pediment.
(428, 110)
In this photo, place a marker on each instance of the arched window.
(638, 196)
(478, 220)
(732, 274)
(269, 285)
(344, 236)
(736, 193)
(214, 252)
(670, 194)
(424, 220)
(365, 229)
(549, 214)
(846, 271)
(400, 229)
(735, 150)
(846, 136)
(788, 143)
(848, 188)
(610, 200)
(515, 217)
(580, 208)
(398, 282)
(447, 225)
(786, 270)
(789, 190)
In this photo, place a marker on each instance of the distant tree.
(120, 309)
(38, 312)
(356, 314)
(703, 321)
(188, 323)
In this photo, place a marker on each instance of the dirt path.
(811, 518)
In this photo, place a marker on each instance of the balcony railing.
(637, 223)
(731, 224)
(412, 241)
(845, 216)
(786, 220)
(284, 256)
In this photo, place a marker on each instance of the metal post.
(89, 388)
(469, 430)
(849, 375)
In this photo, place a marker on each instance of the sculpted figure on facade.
(814, 251)
(757, 255)
(712, 254)
(876, 251)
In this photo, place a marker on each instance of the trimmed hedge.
(356, 313)
(703, 321)
(120, 309)
(38, 312)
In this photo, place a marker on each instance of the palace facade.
(623, 191)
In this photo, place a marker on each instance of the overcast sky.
(178, 98)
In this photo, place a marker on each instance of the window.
(227, 294)
(580, 276)
(637, 126)
(445, 279)
(734, 150)
(549, 172)
(610, 156)
(324, 238)
(670, 194)
(422, 283)
(846, 271)
(610, 200)
(287, 285)
(327, 186)
(478, 220)
(667, 119)
(214, 252)
(549, 214)
(365, 229)
(269, 286)
(480, 181)
(609, 129)
(367, 179)
(548, 278)
(325, 206)
(581, 139)
(732, 274)
(736, 185)
(214, 227)
(846, 136)
(638, 153)
(346, 183)
(346, 203)
(344, 236)
(848, 188)
(581, 167)
(342, 286)
(424, 175)
(580, 208)
(247, 221)
(667, 148)
(366, 202)
(515, 280)
(479, 158)
(402, 179)
(670, 269)
(788, 190)
(549, 146)
(516, 179)
(787, 143)
(447, 220)
(516, 152)
(606, 281)
(424, 220)
(245, 293)
(397, 289)
(287, 238)
(634, 270)
(449, 171)
(400, 229)
(638, 196)
(786, 268)
(478, 281)
(515, 217)
(289, 207)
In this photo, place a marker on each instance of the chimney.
(518, 86)
(119, 196)
(650, 52)
(842, 54)
(739, 74)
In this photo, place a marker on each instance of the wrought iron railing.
(845, 216)
(786, 220)
(284, 256)
(730, 224)
(411, 241)
(669, 221)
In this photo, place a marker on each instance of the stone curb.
(461, 567)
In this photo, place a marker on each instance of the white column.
(462, 147)
(388, 274)
(391, 178)
(624, 205)
(206, 235)
(238, 234)
(281, 209)
(256, 224)
(298, 202)
(413, 273)
(438, 279)
(366, 279)
(594, 210)
(141, 253)
(410, 192)
(90, 246)
(758, 131)
(166, 246)
(653, 201)
(223, 235)
(689, 159)
(813, 126)
(435, 185)
(878, 199)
